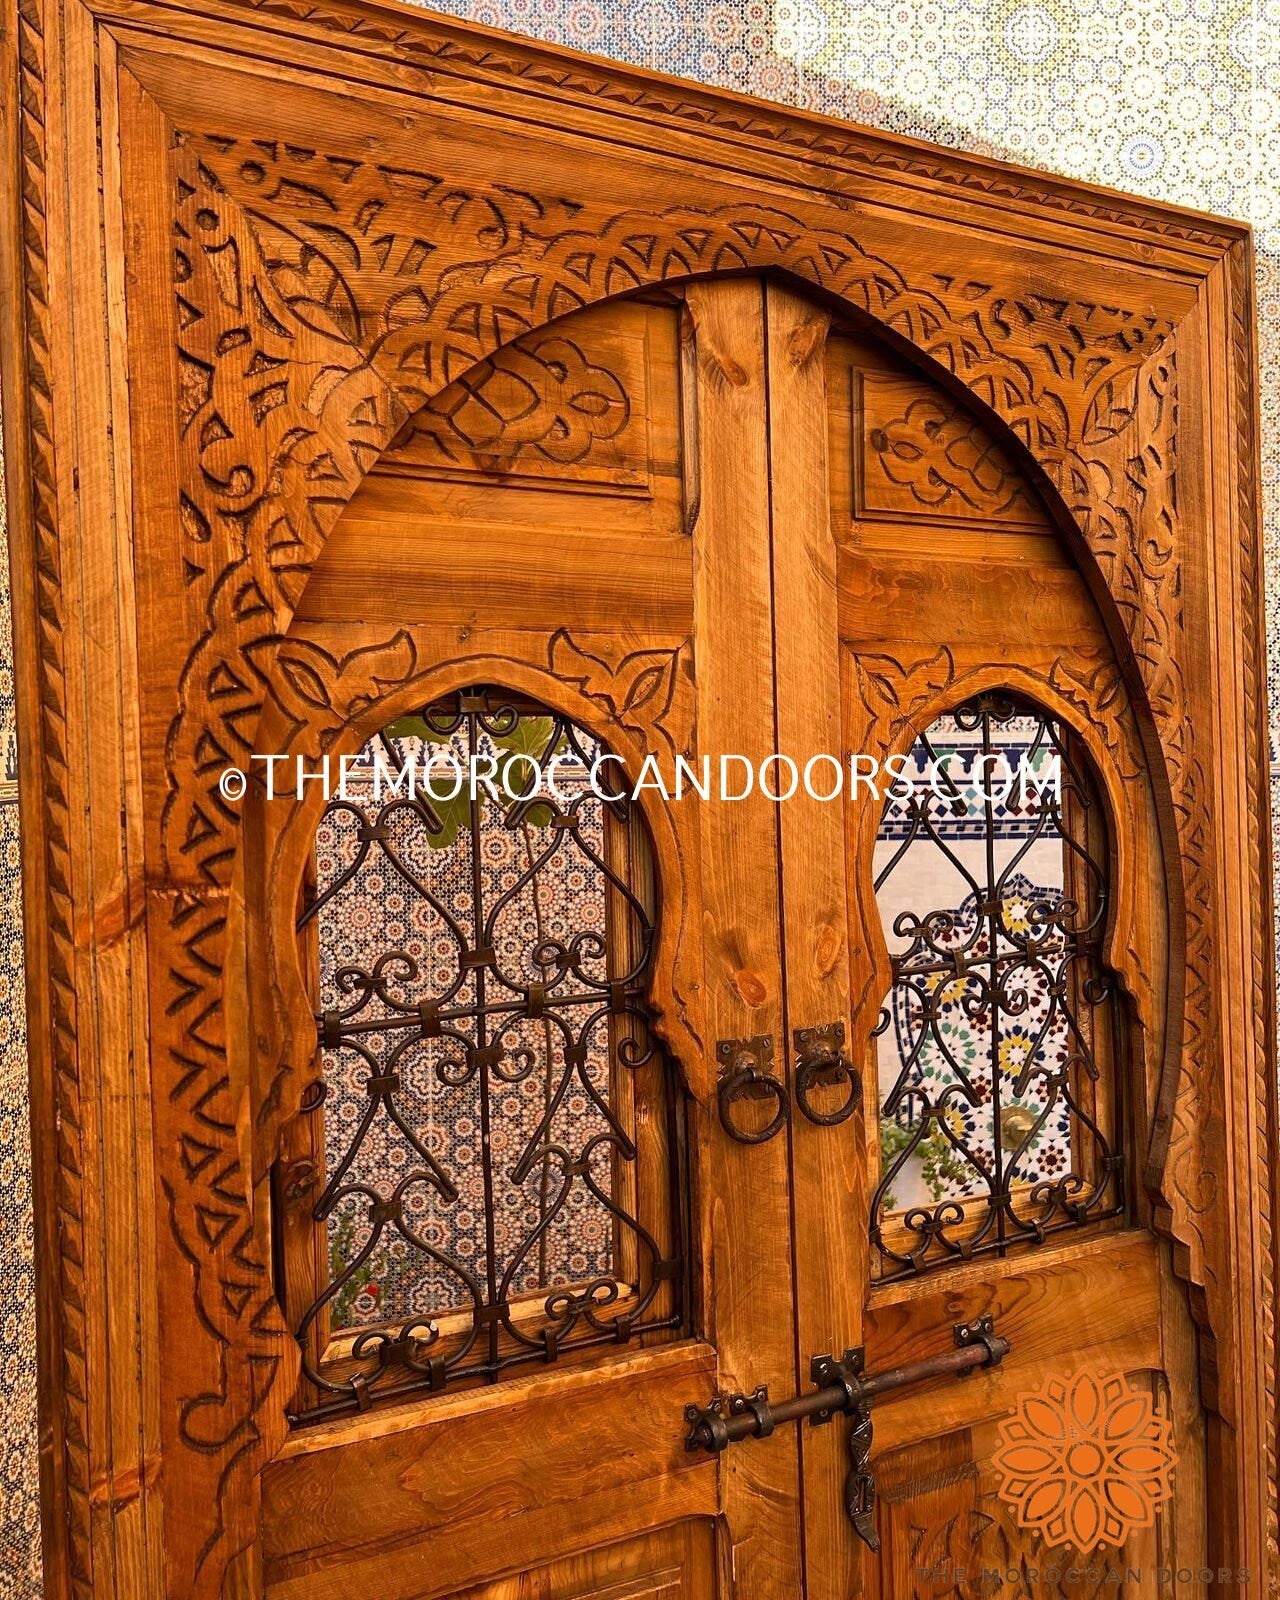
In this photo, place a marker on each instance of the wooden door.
(978, 982)
(370, 374)
(1010, 1016)
(511, 1246)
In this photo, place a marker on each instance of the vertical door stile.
(827, 1158)
(746, 1229)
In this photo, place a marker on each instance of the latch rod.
(842, 1386)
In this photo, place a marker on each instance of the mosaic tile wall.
(980, 1068)
(1177, 99)
(19, 1479)
(539, 890)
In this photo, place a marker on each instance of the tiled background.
(1177, 99)
(19, 1539)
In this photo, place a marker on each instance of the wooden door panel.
(386, 573)
(948, 1535)
(673, 1564)
(951, 585)
(904, 450)
(940, 536)
(1061, 1314)
(546, 483)
(589, 405)
(1000, 603)
(475, 1485)
(568, 575)
(1111, 1293)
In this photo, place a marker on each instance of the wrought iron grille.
(491, 1153)
(1000, 1048)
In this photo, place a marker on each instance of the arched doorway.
(884, 1094)
(270, 502)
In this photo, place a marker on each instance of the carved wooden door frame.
(211, 332)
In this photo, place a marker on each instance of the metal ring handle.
(820, 1054)
(745, 1082)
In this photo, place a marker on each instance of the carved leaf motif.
(319, 692)
(303, 679)
(1100, 695)
(646, 685)
(893, 691)
(1112, 409)
(307, 278)
(638, 690)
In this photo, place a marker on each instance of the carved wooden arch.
(321, 702)
(297, 694)
(316, 385)
(1105, 381)
(315, 300)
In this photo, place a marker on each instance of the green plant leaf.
(940, 1164)
(529, 738)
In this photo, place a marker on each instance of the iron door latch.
(842, 1386)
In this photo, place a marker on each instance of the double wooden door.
(624, 1108)
(408, 1169)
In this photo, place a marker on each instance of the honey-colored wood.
(746, 1220)
(352, 355)
(677, 1561)
(446, 1519)
(828, 1177)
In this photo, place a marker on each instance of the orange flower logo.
(1085, 1460)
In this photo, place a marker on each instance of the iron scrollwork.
(746, 1075)
(483, 970)
(1002, 1047)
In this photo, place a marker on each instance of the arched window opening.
(487, 1168)
(1000, 1048)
